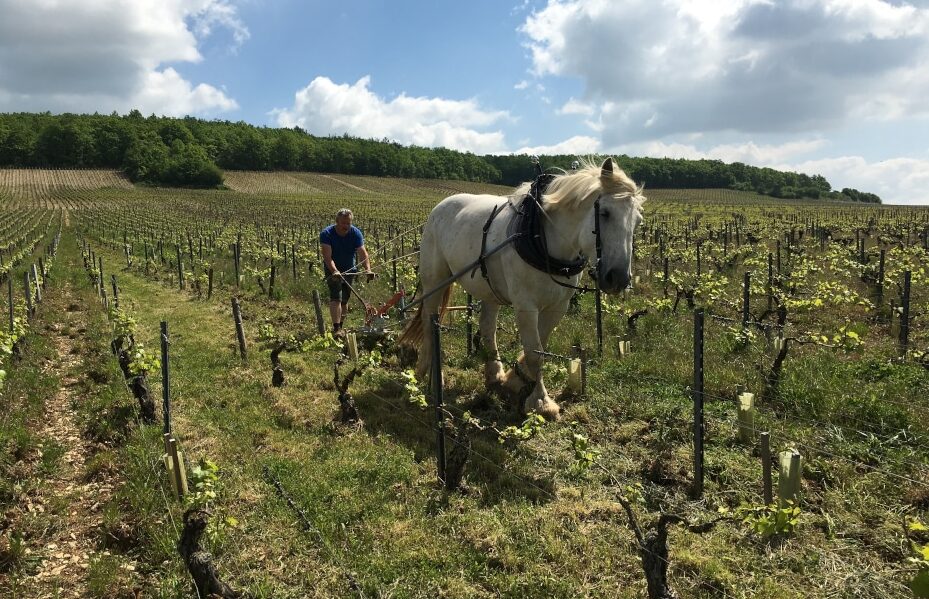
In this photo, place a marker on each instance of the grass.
(26, 456)
(382, 524)
(530, 525)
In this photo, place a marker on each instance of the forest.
(192, 152)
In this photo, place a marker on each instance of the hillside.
(25, 183)
(192, 152)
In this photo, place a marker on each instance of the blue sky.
(834, 87)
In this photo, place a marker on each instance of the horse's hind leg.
(431, 306)
(493, 368)
(433, 269)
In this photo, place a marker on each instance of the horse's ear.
(606, 169)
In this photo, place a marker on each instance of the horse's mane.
(573, 190)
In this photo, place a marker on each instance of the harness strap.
(482, 259)
(535, 195)
(532, 245)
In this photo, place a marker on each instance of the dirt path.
(346, 184)
(70, 503)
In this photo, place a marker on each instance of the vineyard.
(752, 419)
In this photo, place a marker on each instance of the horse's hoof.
(545, 407)
(493, 374)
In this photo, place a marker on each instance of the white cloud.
(573, 106)
(655, 69)
(103, 55)
(175, 95)
(521, 85)
(328, 108)
(224, 15)
(897, 181)
(748, 153)
(578, 145)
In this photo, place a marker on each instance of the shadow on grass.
(493, 470)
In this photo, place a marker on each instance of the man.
(340, 244)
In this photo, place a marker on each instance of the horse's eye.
(605, 214)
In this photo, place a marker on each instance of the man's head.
(343, 221)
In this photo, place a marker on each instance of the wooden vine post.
(165, 379)
(38, 288)
(115, 291)
(9, 291)
(293, 260)
(239, 329)
(665, 276)
(699, 265)
(317, 306)
(880, 283)
(27, 289)
(905, 314)
(174, 461)
(746, 298)
(438, 395)
(765, 442)
(698, 403)
(770, 280)
(469, 325)
(598, 296)
(235, 260)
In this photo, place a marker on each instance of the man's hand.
(370, 275)
(336, 275)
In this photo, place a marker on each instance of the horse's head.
(618, 198)
(619, 213)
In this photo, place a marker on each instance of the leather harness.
(525, 230)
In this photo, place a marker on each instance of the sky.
(832, 87)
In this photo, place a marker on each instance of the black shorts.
(338, 290)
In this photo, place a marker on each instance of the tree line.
(193, 152)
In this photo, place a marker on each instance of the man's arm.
(327, 258)
(362, 254)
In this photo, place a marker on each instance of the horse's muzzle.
(614, 280)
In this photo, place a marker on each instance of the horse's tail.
(412, 335)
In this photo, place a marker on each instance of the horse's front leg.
(493, 368)
(528, 369)
(538, 400)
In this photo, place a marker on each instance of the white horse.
(452, 241)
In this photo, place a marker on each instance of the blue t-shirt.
(343, 248)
